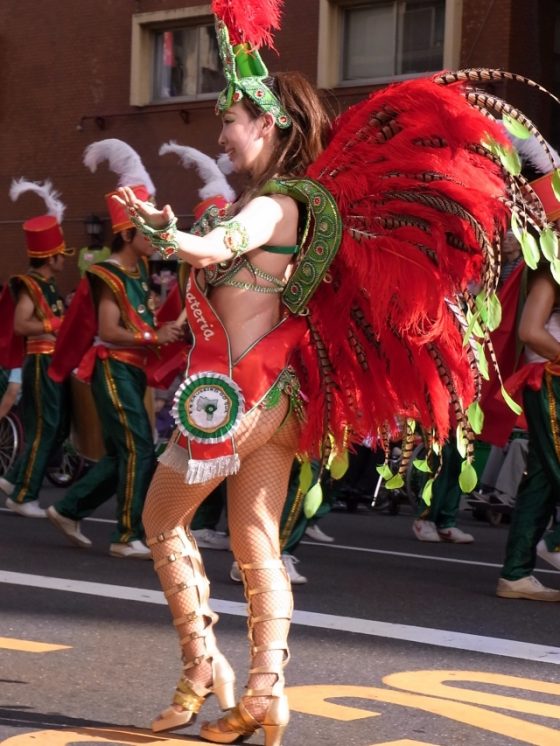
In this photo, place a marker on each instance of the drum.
(85, 433)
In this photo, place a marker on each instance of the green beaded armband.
(236, 238)
(163, 239)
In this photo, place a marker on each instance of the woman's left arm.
(267, 219)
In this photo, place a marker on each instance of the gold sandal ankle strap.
(172, 533)
(273, 564)
(172, 557)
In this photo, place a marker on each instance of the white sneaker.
(314, 532)
(207, 538)
(69, 527)
(529, 588)
(234, 573)
(29, 509)
(6, 487)
(553, 558)
(425, 531)
(290, 563)
(133, 550)
(454, 535)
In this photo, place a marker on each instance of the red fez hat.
(543, 189)
(120, 220)
(44, 237)
(218, 201)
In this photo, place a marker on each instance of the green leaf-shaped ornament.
(516, 226)
(468, 477)
(422, 465)
(530, 249)
(555, 269)
(427, 492)
(514, 406)
(475, 416)
(384, 471)
(494, 315)
(548, 241)
(482, 362)
(313, 500)
(305, 476)
(510, 160)
(556, 183)
(516, 128)
(395, 483)
(339, 465)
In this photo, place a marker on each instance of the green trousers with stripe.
(540, 488)
(44, 409)
(127, 468)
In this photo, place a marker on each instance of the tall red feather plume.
(249, 20)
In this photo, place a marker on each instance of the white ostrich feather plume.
(123, 161)
(210, 171)
(45, 190)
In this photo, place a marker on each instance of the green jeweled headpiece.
(245, 73)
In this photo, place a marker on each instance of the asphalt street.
(394, 642)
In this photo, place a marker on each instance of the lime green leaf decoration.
(395, 482)
(515, 226)
(516, 128)
(510, 160)
(548, 241)
(476, 417)
(305, 476)
(427, 492)
(468, 477)
(494, 312)
(530, 249)
(384, 471)
(313, 500)
(555, 269)
(556, 183)
(339, 465)
(422, 465)
(514, 406)
(482, 362)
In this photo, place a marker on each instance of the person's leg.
(535, 500)
(168, 512)
(254, 530)
(513, 469)
(119, 393)
(44, 405)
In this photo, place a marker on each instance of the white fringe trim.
(197, 472)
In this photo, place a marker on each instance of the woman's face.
(242, 138)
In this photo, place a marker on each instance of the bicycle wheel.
(10, 441)
(67, 470)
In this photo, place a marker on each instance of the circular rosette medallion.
(208, 407)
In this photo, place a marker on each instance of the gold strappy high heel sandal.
(239, 724)
(170, 547)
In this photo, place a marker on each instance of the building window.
(174, 56)
(382, 40)
(186, 63)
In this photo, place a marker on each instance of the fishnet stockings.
(256, 496)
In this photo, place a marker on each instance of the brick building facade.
(67, 81)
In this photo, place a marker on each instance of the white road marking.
(409, 633)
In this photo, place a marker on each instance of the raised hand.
(146, 211)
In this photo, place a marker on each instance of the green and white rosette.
(208, 407)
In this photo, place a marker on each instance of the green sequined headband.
(245, 73)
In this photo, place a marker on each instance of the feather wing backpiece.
(426, 181)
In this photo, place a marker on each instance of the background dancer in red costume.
(358, 256)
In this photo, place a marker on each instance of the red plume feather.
(249, 20)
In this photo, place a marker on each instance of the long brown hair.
(299, 145)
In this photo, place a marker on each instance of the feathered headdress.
(127, 164)
(543, 162)
(43, 234)
(45, 190)
(210, 171)
(241, 28)
(123, 161)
